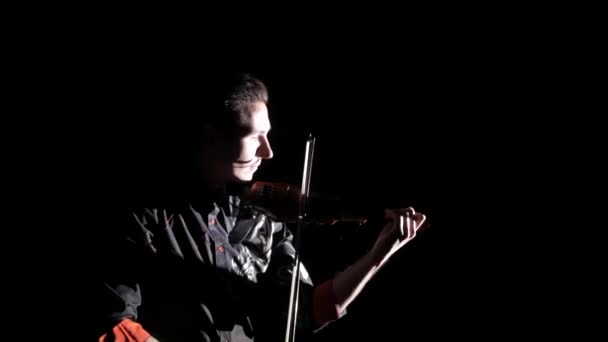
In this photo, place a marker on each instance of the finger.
(405, 211)
(411, 232)
(417, 217)
(406, 223)
(420, 219)
(410, 226)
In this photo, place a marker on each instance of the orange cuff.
(325, 303)
(127, 331)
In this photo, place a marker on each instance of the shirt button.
(212, 220)
(220, 248)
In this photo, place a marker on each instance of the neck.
(211, 185)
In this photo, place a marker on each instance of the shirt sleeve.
(117, 292)
(325, 305)
(126, 331)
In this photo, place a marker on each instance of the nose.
(264, 150)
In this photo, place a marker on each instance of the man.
(207, 265)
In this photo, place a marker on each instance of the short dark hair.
(229, 98)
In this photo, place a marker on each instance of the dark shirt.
(206, 270)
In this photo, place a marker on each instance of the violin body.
(281, 201)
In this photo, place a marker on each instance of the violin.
(288, 203)
(280, 201)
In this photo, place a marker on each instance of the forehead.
(258, 117)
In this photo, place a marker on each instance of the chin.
(243, 178)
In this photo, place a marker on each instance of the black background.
(481, 134)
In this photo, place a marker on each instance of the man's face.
(247, 153)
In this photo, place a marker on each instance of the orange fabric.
(127, 331)
(325, 303)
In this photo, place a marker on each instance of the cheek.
(247, 150)
(235, 150)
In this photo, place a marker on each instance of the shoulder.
(144, 216)
(134, 223)
(268, 217)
